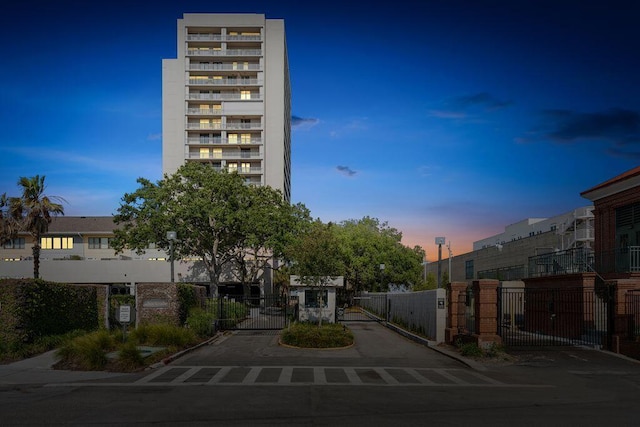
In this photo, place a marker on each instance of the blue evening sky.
(444, 118)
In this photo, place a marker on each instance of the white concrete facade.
(575, 227)
(226, 98)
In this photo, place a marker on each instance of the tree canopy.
(356, 249)
(217, 217)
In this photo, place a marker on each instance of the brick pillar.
(486, 312)
(455, 309)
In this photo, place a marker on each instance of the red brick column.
(455, 309)
(486, 312)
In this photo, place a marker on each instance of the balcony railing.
(622, 260)
(226, 52)
(232, 155)
(205, 111)
(218, 126)
(220, 140)
(224, 67)
(224, 82)
(220, 37)
(572, 261)
(227, 96)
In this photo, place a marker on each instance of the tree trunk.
(36, 259)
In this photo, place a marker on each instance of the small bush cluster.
(91, 351)
(471, 349)
(311, 335)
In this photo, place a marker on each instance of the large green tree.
(217, 217)
(366, 245)
(315, 255)
(268, 223)
(32, 212)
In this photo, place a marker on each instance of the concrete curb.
(434, 346)
(179, 354)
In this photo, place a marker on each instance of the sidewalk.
(38, 370)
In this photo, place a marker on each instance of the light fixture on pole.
(439, 242)
(172, 236)
(450, 255)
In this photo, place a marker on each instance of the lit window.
(204, 153)
(245, 66)
(245, 138)
(246, 167)
(217, 77)
(216, 123)
(56, 242)
(217, 153)
(233, 138)
(235, 65)
(204, 107)
(233, 167)
(204, 123)
(217, 107)
(245, 94)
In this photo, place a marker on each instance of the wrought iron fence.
(621, 260)
(552, 316)
(255, 313)
(571, 261)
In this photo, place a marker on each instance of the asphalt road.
(384, 379)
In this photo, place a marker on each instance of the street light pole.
(171, 237)
(439, 242)
(381, 276)
(450, 254)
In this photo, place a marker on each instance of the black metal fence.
(552, 317)
(571, 261)
(632, 308)
(251, 313)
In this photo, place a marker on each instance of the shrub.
(200, 321)
(163, 335)
(129, 357)
(308, 335)
(87, 352)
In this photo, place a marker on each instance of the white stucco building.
(226, 98)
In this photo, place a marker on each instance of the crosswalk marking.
(308, 375)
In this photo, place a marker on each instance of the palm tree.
(33, 212)
(8, 225)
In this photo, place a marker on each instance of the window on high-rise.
(232, 167)
(245, 138)
(217, 153)
(233, 138)
(245, 167)
(245, 94)
(204, 153)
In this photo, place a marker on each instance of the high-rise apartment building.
(226, 99)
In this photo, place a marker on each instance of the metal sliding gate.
(251, 313)
(365, 308)
(553, 316)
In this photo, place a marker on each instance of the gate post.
(486, 312)
(455, 308)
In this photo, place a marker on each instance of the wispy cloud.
(618, 127)
(303, 123)
(346, 170)
(466, 106)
